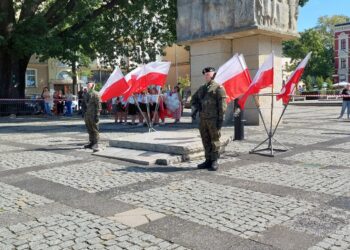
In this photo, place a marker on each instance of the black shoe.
(204, 165)
(214, 166)
(88, 145)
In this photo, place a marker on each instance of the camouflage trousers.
(210, 138)
(92, 129)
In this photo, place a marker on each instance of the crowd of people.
(149, 107)
(56, 103)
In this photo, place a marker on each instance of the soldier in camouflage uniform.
(91, 117)
(210, 101)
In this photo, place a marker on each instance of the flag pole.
(269, 133)
(138, 107)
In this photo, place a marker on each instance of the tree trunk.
(12, 75)
(74, 77)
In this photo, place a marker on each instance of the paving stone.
(27, 159)
(329, 181)
(83, 236)
(14, 199)
(322, 158)
(197, 198)
(97, 176)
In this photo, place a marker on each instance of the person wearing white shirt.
(132, 109)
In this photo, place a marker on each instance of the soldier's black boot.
(96, 148)
(88, 145)
(214, 166)
(204, 165)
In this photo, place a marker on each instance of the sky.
(313, 9)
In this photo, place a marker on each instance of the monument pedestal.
(162, 147)
(255, 49)
(216, 30)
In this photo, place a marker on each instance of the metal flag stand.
(149, 124)
(270, 134)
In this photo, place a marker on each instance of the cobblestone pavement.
(56, 195)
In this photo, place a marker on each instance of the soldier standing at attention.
(91, 117)
(210, 101)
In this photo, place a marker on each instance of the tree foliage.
(71, 29)
(319, 40)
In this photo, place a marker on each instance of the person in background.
(68, 102)
(83, 102)
(132, 109)
(47, 101)
(59, 103)
(176, 95)
(154, 98)
(346, 102)
(92, 117)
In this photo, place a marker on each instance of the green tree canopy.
(319, 40)
(71, 29)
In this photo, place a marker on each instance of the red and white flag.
(154, 73)
(132, 80)
(234, 77)
(293, 79)
(115, 85)
(262, 79)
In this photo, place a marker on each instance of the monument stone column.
(217, 29)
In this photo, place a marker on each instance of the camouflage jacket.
(93, 103)
(210, 101)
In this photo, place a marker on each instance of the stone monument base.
(162, 147)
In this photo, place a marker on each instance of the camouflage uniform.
(210, 101)
(91, 117)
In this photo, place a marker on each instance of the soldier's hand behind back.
(97, 119)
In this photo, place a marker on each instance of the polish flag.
(132, 80)
(234, 77)
(293, 79)
(262, 79)
(154, 73)
(115, 85)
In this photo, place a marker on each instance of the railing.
(21, 106)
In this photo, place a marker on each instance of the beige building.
(179, 57)
(57, 76)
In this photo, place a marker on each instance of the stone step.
(184, 143)
(139, 156)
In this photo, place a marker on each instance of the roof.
(342, 24)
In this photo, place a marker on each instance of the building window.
(31, 78)
(343, 63)
(343, 44)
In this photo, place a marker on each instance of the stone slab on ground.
(181, 142)
(139, 156)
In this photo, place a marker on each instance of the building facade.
(341, 52)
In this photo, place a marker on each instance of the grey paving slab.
(269, 188)
(238, 211)
(97, 176)
(71, 197)
(15, 199)
(77, 230)
(338, 240)
(322, 158)
(194, 236)
(6, 148)
(33, 158)
(341, 202)
(286, 239)
(328, 181)
(320, 222)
